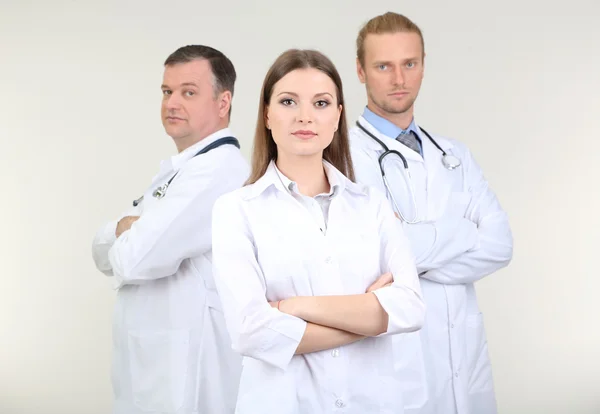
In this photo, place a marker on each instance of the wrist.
(289, 306)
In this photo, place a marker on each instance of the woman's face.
(303, 113)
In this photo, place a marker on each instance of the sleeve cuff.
(403, 316)
(280, 345)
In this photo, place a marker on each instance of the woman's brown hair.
(265, 150)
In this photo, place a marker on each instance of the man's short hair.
(389, 22)
(223, 70)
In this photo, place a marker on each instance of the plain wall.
(81, 138)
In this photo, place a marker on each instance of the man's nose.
(398, 76)
(172, 101)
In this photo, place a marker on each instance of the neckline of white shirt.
(292, 186)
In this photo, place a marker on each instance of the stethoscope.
(449, 161)
(160, 191)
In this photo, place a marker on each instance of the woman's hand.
(384, 280)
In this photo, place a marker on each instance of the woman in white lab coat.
(313, 270)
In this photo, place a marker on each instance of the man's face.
(190, 110)
(393, 71)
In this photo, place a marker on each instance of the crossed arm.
(455, 249)
(140, 248)
(274, 332)
(482, 243)
(333, 321)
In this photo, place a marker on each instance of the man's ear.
(360, 71)
(224, 103)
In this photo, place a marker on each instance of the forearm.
(358, 314)
(101, 245)
(319, 338)
(155, 245)
(494, 252)
(438, 243)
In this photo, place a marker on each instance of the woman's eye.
(322, 103)
(287, 102)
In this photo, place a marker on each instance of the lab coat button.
(452, 326)
(456, 374)
(339, 403)
(335, 353)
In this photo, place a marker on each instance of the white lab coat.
(465, 238)
(171, 349)
(267, 246)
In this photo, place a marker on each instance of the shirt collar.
(274, 178)
(386, 127)
(334, 184)
(181, 158)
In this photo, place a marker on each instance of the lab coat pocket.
(266, 389)
(391, 398)
(159, 363)
(478, 362)
(410, 369)
(458, 203)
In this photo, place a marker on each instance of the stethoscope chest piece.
(160, 191)
(450, 161)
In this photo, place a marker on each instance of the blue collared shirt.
(389, 129)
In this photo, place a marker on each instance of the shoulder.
(224, 156)
(230, 204)
(225, 163)
(365, 194)
(448, 142)
(358, 139)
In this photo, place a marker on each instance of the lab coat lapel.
(440, 180)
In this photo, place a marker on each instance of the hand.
(397, 216)
(384, 280)
(125, 224)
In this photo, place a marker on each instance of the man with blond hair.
(457, 228)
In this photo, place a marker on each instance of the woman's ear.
(337, 122)
(266, 118)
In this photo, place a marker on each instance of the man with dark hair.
(172, 353)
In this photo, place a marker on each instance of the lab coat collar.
(272, 178)
(178, 160)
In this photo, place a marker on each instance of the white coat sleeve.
(433, 243)
(176, 228)
(495, 246)
(257, 330)
(105, 238)
(403, 300)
